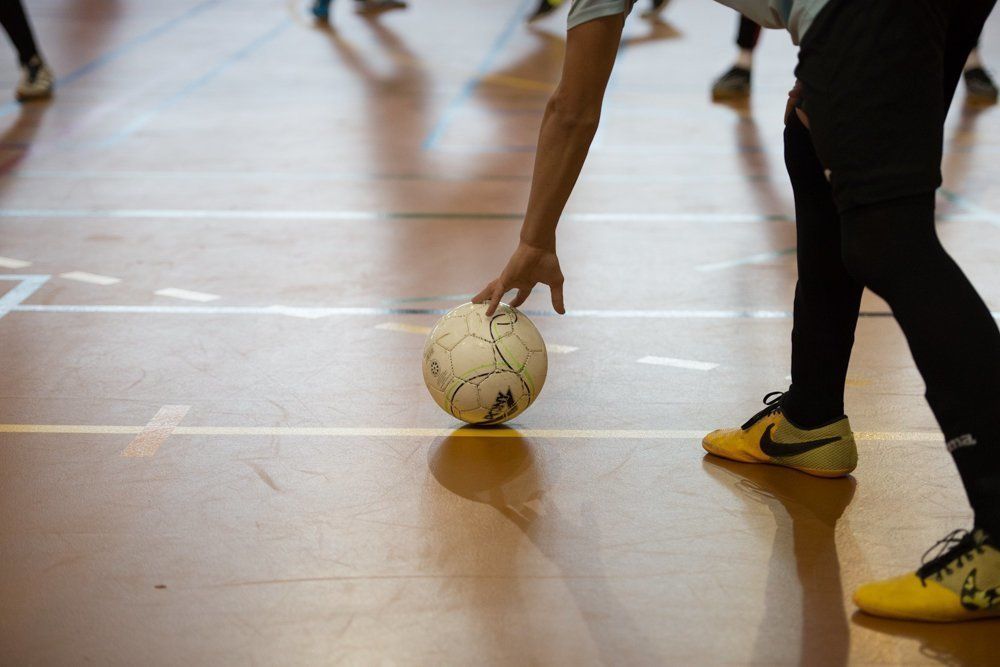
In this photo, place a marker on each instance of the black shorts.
(877, 80)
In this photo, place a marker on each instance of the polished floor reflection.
(219, 247)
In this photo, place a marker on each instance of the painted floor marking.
(974, 209)
(465, 432)
(467, 90)
(315, 312)
(759, 258)
(458, 298)
(153, 434)
(369, 216)
(11, 263)
(405, 328)
(92, 278)
(13, 298)
(187, 295)
(292, 311)
(130, 128)
(679, 363)
(423, 331)
(120, 51)
(372, 216)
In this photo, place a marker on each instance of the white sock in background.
(973, 60)
(744, 59)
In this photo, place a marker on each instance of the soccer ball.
(484, 370)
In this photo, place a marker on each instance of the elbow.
(573, 114)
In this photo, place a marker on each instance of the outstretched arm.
(568, 127)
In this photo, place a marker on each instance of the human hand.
(528, 266)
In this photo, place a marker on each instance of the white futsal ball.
(484, 370)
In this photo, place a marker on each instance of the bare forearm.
(563, 143)
(569, 125)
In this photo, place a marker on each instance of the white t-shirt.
(795, 15)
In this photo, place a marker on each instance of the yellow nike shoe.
(961, 583)
(769, 437)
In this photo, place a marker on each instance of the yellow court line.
(518, 82)
(468, 432)
(70, 429)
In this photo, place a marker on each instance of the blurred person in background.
(37, 80)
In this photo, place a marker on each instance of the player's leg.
(735, 82)
(877, 123)
(37, 80)
(805, 428)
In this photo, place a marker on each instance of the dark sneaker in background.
(733, 85)
(979, 86)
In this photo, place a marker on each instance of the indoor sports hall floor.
(221, 244)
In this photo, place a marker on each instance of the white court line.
(153, 434)
(679, 363)
(465, 432)
(92, 278)
(314, 312)
(367, 216)
(977, 215)
(13, 298)
(187, 295)
(292, 311)
(759, 258)
(552, 348)
(405, 328)
(11, 263)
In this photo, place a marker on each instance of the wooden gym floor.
(220, 244)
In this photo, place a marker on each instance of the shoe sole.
(33, 98)
(825, 474)
(986, 616)
(727, 96)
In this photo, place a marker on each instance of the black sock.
(978, 464)
(806, 413)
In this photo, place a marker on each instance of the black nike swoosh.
(772, 448)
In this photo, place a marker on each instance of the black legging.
(892, 248)
(15, 22)
(747, 34)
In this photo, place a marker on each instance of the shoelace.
(773, 403)
(954, 548)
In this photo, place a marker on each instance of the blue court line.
(758, 258)
(984, 213)
(470, 86)
(194, 85)
(29, 284)
(125, 48)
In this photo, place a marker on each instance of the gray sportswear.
(795, 15)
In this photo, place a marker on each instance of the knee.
(884, 244)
